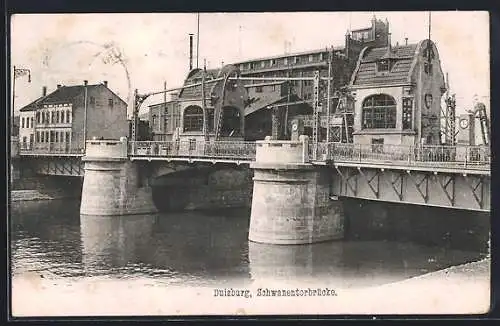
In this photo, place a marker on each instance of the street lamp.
(18, 72)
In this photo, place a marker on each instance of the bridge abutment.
(112, 184)
(291, 202)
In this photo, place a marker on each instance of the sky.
(145, 50)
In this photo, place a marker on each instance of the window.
(56, 137)
(31, 119)
(384, 65)
(192, 144)
(110, 102)
(165, 125)
(52, 117)
(379, 112)
(193, 118)
(273, 62)
(296, 59)
(211, 117)
(42, 137)
(153, 122)
(62, 116)
(407, 112)
(38, 136)
(377, 145)
(57, 117)
(310, 58)
(428, 68)
(68, 116)
(321, 57)
(67, 137)
(262, 64)
(38, 117)
(22, 122)
(285, 61)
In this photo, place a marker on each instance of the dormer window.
(428, 67)
(384, 65)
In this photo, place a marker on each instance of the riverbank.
(463, 289)
(35, 195)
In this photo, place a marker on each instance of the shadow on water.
(204, 248)
(430, 226)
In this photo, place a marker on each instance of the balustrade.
(194, 149)
(50, 148)
(402, 155)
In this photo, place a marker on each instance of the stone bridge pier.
(113, 185)
(291, 197)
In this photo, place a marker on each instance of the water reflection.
(348, 264)
(201, 248)
(181, 247)
(113, 242)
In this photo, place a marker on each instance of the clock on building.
(464, 123)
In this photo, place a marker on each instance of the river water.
(51, 240)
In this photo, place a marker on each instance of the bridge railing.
(50, 148)
(237, 150)
(466, 156)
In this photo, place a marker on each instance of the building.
(62, 119)
(164, 119)
(397, 92)
(214, 111)
(304, 64)
(27, 122)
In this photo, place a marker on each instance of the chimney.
(105, 83)
(406, 41)
(190, 52)
(58, 86)
(389, 41)
(44, 91)
(85, 82)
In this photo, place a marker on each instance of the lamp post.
(18, 72)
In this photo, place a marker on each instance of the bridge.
(294, 182)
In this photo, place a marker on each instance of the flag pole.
(198, 41)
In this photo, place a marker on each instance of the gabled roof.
(32, 106)
(63, 94)
(403, 58)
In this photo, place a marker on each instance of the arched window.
(379, 112)
(193, 118)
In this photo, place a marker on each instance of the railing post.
(305, 148)
(359, 152)
(467, 152)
